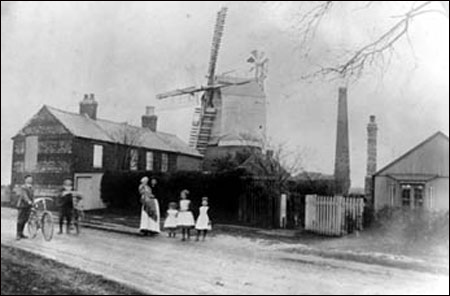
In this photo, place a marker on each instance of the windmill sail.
(208, 113)
(204, 116)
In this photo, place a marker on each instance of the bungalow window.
(98, 156)
(406, 195)
(164, 162)
(149, 161)
(412, 196)
(134, 158)
(418, 197)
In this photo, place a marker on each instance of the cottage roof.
(122, 133)
(436, 158)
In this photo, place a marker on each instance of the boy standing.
(65, 206)
(24, 206)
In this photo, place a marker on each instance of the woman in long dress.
(150, 215)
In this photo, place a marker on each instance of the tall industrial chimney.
(88, 106)
(150, 120)
(372, 129)
(342, 158)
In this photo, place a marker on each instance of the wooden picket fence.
(333, 215)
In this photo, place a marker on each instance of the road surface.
(221, 265)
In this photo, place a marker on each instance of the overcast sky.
(127, 52)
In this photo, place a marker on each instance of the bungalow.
(418, 179)
(57, 144)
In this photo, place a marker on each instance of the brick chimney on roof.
(149, 119)
(88, 106)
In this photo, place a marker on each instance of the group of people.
(178, 216)
(68, 201)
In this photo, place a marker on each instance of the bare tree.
(274, 160)
(127, 138)
(355, 61)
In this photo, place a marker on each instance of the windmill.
(209, 117)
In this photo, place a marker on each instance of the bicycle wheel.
(33, 225)
(47, 226)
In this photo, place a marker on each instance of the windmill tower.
(232, 111)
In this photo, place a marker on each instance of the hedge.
(119, 190)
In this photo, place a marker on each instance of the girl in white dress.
(170, 224)
(185, 218)
(203, 223)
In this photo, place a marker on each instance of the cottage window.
(149, 161)
(98, 156)
(31, 153)
(134, 159)
(164, 162)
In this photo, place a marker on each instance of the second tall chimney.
(342, 158)
(371, 169)
(150, 120)
(371, 146)
(88, 106)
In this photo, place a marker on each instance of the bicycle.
(41, 219)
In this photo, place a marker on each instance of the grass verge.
(24, 273)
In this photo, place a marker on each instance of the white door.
(89, 187)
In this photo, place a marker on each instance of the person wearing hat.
(65, 202)
(24, 205)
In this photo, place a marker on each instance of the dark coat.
(26, 197)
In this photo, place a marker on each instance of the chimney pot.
(149, 110)
(150, 120)
(372, 118)
(88, 106)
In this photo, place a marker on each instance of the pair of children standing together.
(184, 219)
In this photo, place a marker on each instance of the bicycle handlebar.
(43, 200)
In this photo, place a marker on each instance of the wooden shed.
(417, 179)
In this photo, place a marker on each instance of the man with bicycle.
(24, 206)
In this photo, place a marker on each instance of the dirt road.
(222, 265)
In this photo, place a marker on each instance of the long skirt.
(149, 224)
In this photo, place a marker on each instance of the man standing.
(66, 206)
(24, 206)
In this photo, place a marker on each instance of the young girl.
(185, 218)
(203, 223)
(170, 224)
